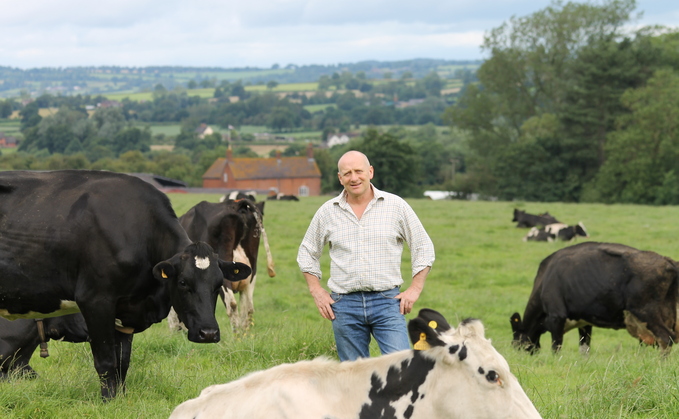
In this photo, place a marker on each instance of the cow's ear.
(163, 270)
(234, 271)
(423, 334)
(430, 315)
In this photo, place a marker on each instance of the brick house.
(7, 141)
(298, 176)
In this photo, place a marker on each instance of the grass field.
(482, 270)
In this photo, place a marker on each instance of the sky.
(259, 33)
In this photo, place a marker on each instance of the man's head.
(355, 172)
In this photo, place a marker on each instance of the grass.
(482, 270)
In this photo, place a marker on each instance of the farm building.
(7, 141)
(287, 175)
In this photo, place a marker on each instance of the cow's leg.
(585, 338)
(173, 321)
(229, 301)
(555, 325)
(123, 354)
(246, 305)
(100, 320)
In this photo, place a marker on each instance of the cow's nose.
(209, 335)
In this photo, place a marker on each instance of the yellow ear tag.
(422, 344)
(236, 271)
(433, 324)
(162, 273)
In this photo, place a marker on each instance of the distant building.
(203, 130)
(7, 141)
(288, 175)
(339, 138)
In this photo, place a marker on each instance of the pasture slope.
(482, 270)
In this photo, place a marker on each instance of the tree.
(643, 154)
(397, 166)
(131, 139)
(281, 118)
(530, 73)
(271, 84)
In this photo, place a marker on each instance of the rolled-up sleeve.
(421, 247)
(311, 249)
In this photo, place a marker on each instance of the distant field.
(10, 126)
(316, 108)
(285, 87)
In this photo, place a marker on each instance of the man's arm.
(321, 296)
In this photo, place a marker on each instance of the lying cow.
(525, 220)
(282, 197)
(109, 246)
(452, 373)
(556, 231)
(19, 339)
(233, 229)
(605, 285)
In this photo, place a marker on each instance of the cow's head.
(520, 337)
(477, 377)
(71, 328)
(194, 278)
(580, 230)
(517, 214)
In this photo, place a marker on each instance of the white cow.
(452, 373)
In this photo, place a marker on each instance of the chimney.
(310, 151)
(229, 154)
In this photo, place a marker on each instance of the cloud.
(258, 33)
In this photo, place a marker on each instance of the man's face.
(355, 174)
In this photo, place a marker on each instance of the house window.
(226, 177)
(303, 191)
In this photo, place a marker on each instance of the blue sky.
(259, 33)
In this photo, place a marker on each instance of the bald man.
(365, 229)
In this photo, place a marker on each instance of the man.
(365, 229)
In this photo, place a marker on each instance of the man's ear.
(163, 270)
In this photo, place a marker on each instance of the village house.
(298, 175)
(203, 130)
(7, 141)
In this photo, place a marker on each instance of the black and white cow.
(282, 197)
(19, 339)
(556, 231)
(452, 373)
(236, 195)
(111, 247)
(525, 220)
(234, 229)
(605, 285)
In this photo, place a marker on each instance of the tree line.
(571, 106)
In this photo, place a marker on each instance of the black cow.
(19, 338)
(233, 228)
(525, 220)
(556, 231)
(605, 285)
(110, 246)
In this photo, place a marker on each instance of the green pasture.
(483, 269)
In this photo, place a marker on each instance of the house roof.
(269, 168)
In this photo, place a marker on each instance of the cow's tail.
(269, 257)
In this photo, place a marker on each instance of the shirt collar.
(341, 199)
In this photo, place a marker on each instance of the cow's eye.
(182, 283)
(492, 376)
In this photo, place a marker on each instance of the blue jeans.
(360, 314)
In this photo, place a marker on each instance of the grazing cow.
(452, 373)
(111, 247)
(282, 197)
(526, 220)
(233, 229)
(556, 231)
(19, 338)
(236, 195)
(605, 285)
